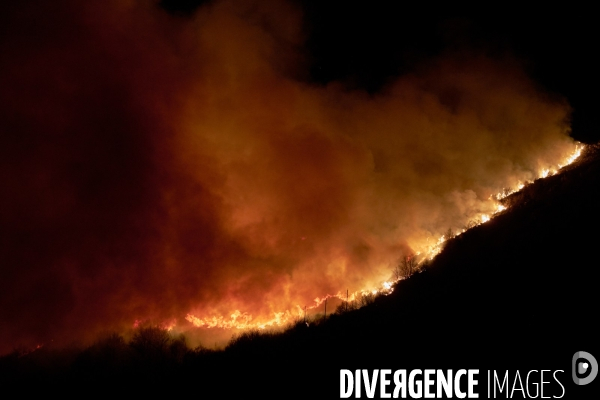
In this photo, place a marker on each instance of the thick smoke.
(152, 166)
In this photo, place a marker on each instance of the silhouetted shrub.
(150, 340)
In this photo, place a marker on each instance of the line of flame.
(244, 321)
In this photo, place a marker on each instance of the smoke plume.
(154, 166)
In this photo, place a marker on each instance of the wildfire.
(243, 321)
(578, 149)
(231, 198)
(434, 250)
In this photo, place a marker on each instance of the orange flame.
(244, 321)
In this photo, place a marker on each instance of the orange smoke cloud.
(155, 166)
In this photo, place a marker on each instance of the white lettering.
(504, 383)
(542, 383)
(370, 384)
(472, 383)
(563, 388)
(384, 384)
(400, 383)
(517, 378)
(444, 383)
(346, 390)
(411, 384)
(428, 383)
(459, 394)
(535, 384)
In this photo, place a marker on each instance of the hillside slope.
(518, 292)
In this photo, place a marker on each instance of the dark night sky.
(371, 44)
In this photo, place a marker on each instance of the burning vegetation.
(182, 171)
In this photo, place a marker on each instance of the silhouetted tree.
(178, 348)
(150, 339)
(151, 347)
(406, 266)
(397, 272)
(366, 299)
